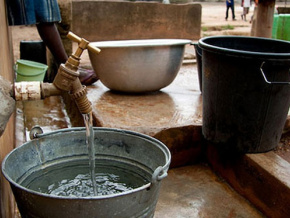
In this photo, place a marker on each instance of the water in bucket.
(85, 179)
(73, 179)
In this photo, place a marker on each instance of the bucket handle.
(35, 132)
(159, 174)
(270, 82)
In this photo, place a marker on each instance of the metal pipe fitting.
(67, 79)
(80, 97)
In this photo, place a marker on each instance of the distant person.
(255, 11)
(246, 7)
(44, 13)
(230, 5)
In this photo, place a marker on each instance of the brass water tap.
(66, 79)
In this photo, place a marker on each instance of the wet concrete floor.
(188, 191)
(196, 191)
(193, 190)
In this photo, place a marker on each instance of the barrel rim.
(146, 186)
(205, 46)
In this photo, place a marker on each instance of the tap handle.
(78, 39)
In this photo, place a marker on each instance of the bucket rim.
(32, 64)
(205, 46)
(30, 75)
(143, 187)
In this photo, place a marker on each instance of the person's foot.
(234, 19)
(87, 77)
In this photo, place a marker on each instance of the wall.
(106, 20)
(7, 139)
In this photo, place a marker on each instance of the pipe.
(26, 91)
(66, 80)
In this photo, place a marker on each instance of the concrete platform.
(199, 178)
(196, 191)
(188, 191)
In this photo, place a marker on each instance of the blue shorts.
(26, 12)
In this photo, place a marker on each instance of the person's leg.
(243, 13)
(233, 11)
(227, 12)
(50, 36)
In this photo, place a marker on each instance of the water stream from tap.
(88, 119)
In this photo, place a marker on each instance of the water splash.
(88, 119)
(72, 179)
(81, 186)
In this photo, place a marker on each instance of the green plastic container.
(283, 30)
(29, 70)
(275, 26)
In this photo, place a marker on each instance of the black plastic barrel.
(33, 51)
(246, 91)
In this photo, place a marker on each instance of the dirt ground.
(213, 23)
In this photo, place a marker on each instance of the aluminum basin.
(138, 65)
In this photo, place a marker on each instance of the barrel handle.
(269, 82)
(159, 174)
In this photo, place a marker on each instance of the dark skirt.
(26, 12)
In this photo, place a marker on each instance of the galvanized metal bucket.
(58, 147)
